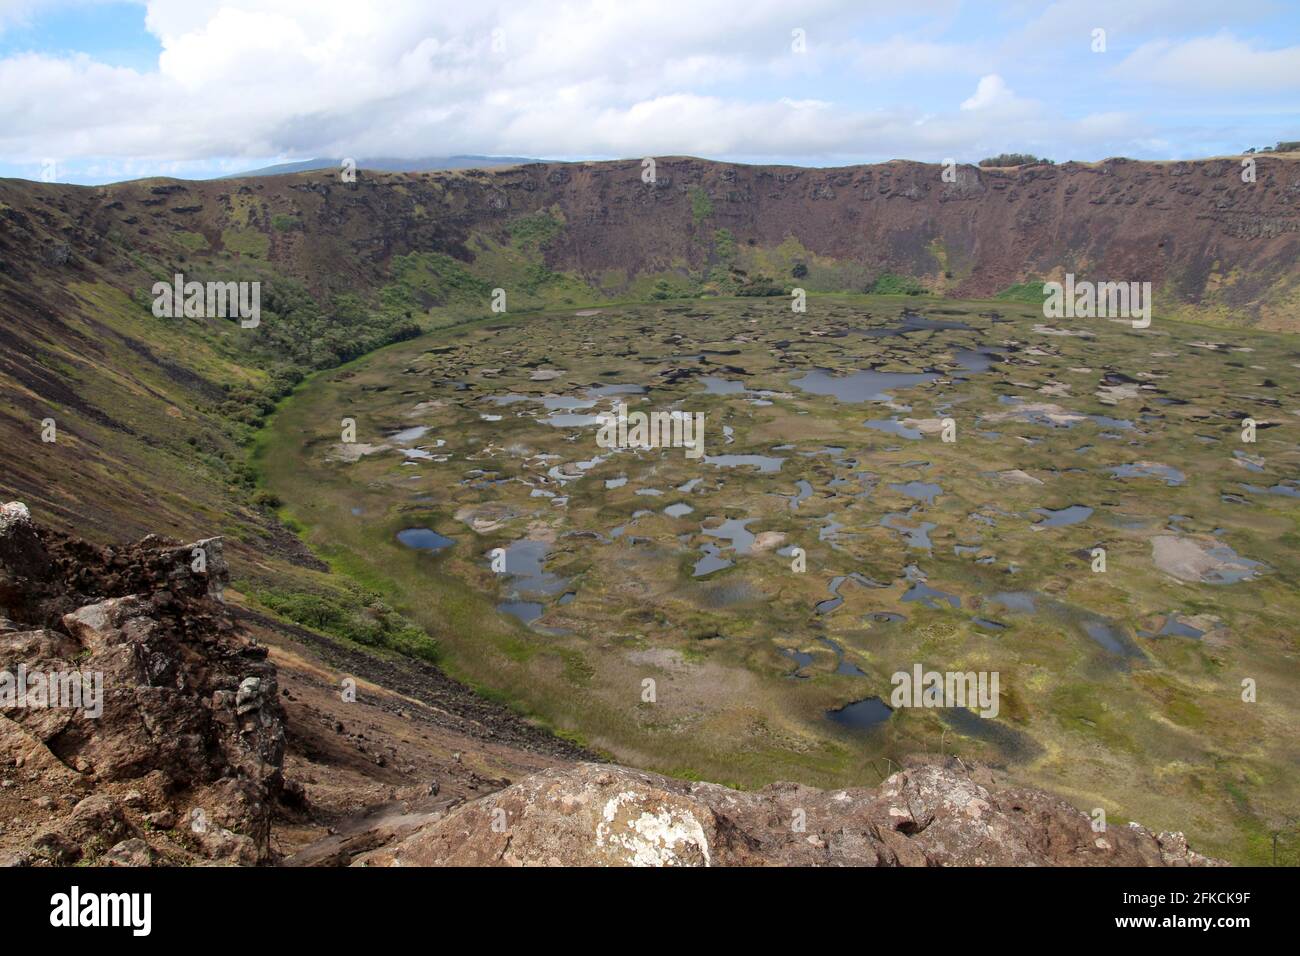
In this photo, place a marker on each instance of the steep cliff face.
(1195, 230)
(1212, 244)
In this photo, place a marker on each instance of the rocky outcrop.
(929, 814)
(120, 666)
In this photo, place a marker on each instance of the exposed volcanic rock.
(153, 687)
(925, 815)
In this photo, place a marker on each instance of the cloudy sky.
(100, 91)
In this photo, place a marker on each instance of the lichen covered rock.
(928, 814)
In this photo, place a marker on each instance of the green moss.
(435, 278)
(191, 241)
(534, 232)
(724, 245)
(242, 208)
(701, 205)
(247, 242)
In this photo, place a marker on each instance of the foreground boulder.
(945, 814)
(126, 696)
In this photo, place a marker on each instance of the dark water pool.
(424, 539)
(861, 386)
(861, 714)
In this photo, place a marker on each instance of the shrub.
(724, 244)
(701, 205)
(890, 284)
(1030, 290)
(434, 276)
(535, 231)
(266, 499)
(354, 615)
(1013, 159)
(761, 286)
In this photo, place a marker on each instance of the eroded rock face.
(925, 815)
(158, 689)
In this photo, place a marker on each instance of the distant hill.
(385, 165)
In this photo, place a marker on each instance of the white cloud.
(1068, 24)
(1220, 63)
(295, 78)
(991, 91)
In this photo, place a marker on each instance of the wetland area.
(560, 576)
